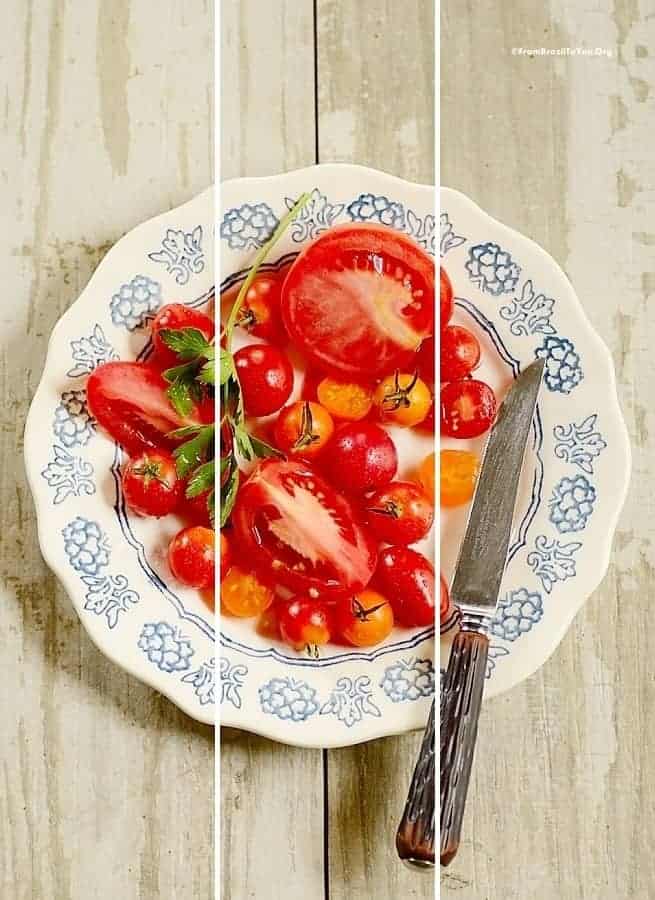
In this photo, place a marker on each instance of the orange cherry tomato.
(243, 594)
(268, 624)
(459, 470)
(345, 400)
(403, 399)
(303, 429)
(364, 620)
(425, 476)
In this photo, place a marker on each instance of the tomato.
(268, 624)
(459, 470)
(361, 457)
(191, 556)
(468, 408)
(197, 509)
(399, 513)
(403, 399)
(303, 429)
(305, 622)
(425, 476)
(427, 424)
(346, 400)
(460, 353)
(359, 299)
(426, 361)
(128, 399)
(226, 554)
(174, 317)
(446, 304)
(291, 523)
(265, 376)
(260, 311)
(444, 601)
(364, 620)
(243, 594)
(407, 578)
(150, 484)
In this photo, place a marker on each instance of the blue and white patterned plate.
(112, 564)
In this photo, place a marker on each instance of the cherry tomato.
(226, 554)
(460, 353)
(191, 556)
(364, 620)
(446, 304)
(243, 594)
(174, 317)
(303, 429)
(361, 457)
(468, 408)
(359, 299)
(259, 314)
(345, 400)
(425, 476)
(291, 523)
(427, 425)
(403, 399)
(426, 361)
(305, 622)
(407, 579)
(459, 470)
(444, 601)
(266, 378)
(150, 484)
(268, 624)
(399, 513)
(197, 509)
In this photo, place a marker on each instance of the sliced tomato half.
(298, 531)
(360, 299)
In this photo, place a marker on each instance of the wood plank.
(105, 788)
(376, 107)
(560, 149)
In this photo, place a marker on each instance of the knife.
(475, 590)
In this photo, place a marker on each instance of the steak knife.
(475, 590)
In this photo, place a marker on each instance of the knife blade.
(475, 589)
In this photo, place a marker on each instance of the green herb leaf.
(229, 495)
(188, 343)
(243, 441)
(202, 479)
(211, 507)
(262, 450)
(227, 366)
(192, 454)
(183, 392)
(207, 373)
(187, 431)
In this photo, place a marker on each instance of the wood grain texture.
(560, 149)
(105, 120)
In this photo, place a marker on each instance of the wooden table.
(303, 82)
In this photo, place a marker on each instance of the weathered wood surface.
(105, 120)
(561, 149)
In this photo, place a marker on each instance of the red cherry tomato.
(266, 378)
(226, 554)
(359, 299)
(444, 601)
(446, 304)
(426, 361)
(459, 353)
(361, 457)
(260, 312)
(174, 317)
(407, 579)
(468, 408)
(305, 622)
(196, 509)
(150, 484)
(290, 523)
(399, 513)
(364, 620)
(191, 556)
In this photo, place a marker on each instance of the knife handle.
(415, 837)
(461, 700)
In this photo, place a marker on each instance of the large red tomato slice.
(297, 530)
(359, 299)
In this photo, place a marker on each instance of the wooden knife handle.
(461, 700)
(415, 837)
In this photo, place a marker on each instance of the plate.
(575, 477)
(111, 564)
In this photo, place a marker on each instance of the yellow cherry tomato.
(425, 476)
(345, 400)
(243, 595)
(403, 399)
(459, 471)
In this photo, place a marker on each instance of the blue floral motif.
(517, 613)
(492, 269)
(86, 546)
(495, 652)
(288, 699)
(448, 239)
(408, 679)
(249, 226)
(563, 371)
(529, 314)
(73, 424)
(571, 503)
(232, 681)
(90, 352)
(165, 647)
(372, 208)
(203, 681)
(68, 474)
(109, 596)
(553, 561)
(422, 230)
(316, 216)
(135, 302)
(580, 443)
(351, 700)
(181, 252)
